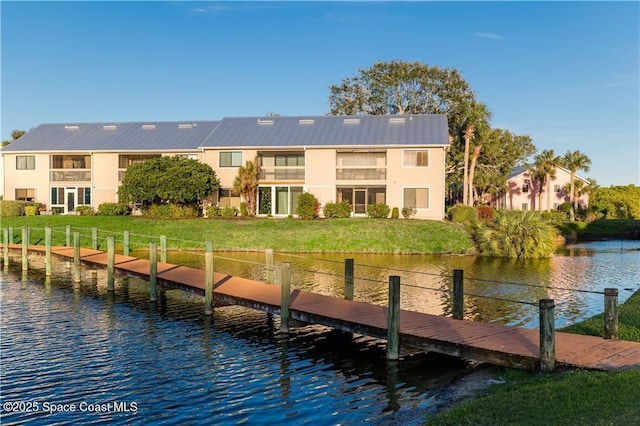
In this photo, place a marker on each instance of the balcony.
(70, 175)
(361, 173)
(281, 173)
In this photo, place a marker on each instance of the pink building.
(524, 192)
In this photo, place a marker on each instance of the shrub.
(165, 211)
(229, 212)
(555, 216)
(466, 215)
(85, 211)
(30, 210)
(113, 209)
(57, 210)
(308, 206)
(378, 210)
(11, 208)
(485, 213)
(407, 212)
(243, 209)
(213, 211)
(395, 213)
(341, 209)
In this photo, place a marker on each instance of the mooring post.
(285, 297)
(94, 238)
(611, 313)
(458, 294)
(67, 240)
(208, 279)
(153, 271)
(163, 248)
(125, 249)
(47, 251)
(28, 235)
(348, 278)
(393, 319)
(76, 257)
(5, 239)
(268, 253)
(11, 239)
(547, 335)
(111, 262)
(25, 243)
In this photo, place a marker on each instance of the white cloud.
(489, 36)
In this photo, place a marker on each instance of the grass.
(354, 235)
(601, 229)
(562, 398)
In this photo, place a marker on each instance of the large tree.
(574, 161)
(168, 180)
(544, 170)
(246, 184)
(15, 135)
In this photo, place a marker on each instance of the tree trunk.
(572, 197)
(548, 193)
(468, 134)
(472, 169)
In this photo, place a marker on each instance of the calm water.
(120, 359)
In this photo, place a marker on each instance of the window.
(70, 161)
(556, 188)
(25, 162)
(228, 198)
(188, 156)
(525, 188)
(57, 196)
(416, 197)
(124, 161)
(84, 196)
(231, 159)
(25, 194)
(289, 160)
(416, 158)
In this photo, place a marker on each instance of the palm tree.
(545, 171)
(468, 135)
(246, 184)
(574, 161)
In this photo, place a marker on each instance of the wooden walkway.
(484, 342)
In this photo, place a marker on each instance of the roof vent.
(186, 126)
(148, 126)
(265, 122)
(351, 121)
(109, 127)
(70, 127)
(397, 120)
(306, 121)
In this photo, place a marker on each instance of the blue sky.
(565, 73)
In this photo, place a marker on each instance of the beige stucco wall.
(37, 179)
(226, 175)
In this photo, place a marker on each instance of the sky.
(565, 73)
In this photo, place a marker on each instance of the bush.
(308, 206)
(85, 211)
(229, 212)
(337, 210)
(113, 209)
(173, 211)
(466, 215)
(57, 210)
(485, 213)
(243, 209)
(30, 210)
(395, 213)
(11, 208)
(378, 211)
(555, 216)
(213, 211)
(407, 212)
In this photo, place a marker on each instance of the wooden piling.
(11, 239)
(47, 251)
(208, 279)
(393, 319)
(25, 251)
(547, 335)
(611, 313)
(458, 294)
(111, 260)
(348, 278)
(5, 239)
(67, 240)
(269, 265)
(285, 299)
(163, 248)
(153, 271)
(76, 257)
(126, 243)
(94, 238)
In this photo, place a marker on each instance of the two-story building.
(396, 160)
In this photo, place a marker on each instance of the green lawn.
(355, 235)
(561, 398)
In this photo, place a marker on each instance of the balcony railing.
(70, 175)
(361, 174)
(281, 173)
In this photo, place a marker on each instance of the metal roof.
(330, 131)
(161, 136)
(263, 132)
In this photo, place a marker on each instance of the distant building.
(396, 160)
(523, 191)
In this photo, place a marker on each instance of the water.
(120, 359)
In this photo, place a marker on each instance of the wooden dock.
(484, 342)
